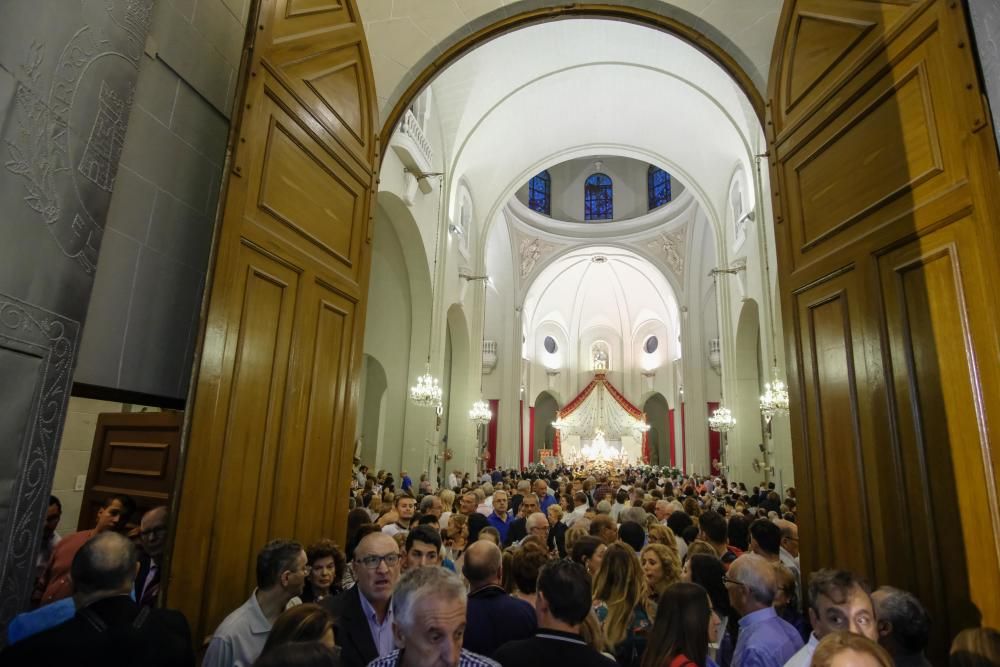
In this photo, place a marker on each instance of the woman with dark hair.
(738, 531)
(327, 564)
(588, 551)
(299, 654)
(302, 623)
(679, 637)
(708, 572)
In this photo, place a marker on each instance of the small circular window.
(550, 345)
(651, 344)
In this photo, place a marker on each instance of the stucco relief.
(670, 247)
(531, 252)
(68, 139)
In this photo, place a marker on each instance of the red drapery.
(531, 435)
(491, 433)
(615, 394)
(714, 443)
(670, 425)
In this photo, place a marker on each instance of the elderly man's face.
(528, 506)
(435, 638)
(662, 511)
(500, 502)
(469, 503)
(376, 566)
(540, 487)
(854, 613)
(153, 531)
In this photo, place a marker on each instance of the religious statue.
(599, 358)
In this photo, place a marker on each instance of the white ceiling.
(582, 87)
(405, 36)
(623, 293)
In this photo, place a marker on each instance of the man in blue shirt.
(407, 482)
(541, 489)
(765, 639)
(499, 519)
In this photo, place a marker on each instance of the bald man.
(107, 628)
(492, 617)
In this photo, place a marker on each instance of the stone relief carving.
(670, 246)
(68, 175)
(531, 251)
(26, 330)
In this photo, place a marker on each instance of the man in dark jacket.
(363, 625)
(492, 616)
(562, 604)
(109, 629)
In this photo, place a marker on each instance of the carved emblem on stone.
(670, 246)
(67, 139)
(531, 251)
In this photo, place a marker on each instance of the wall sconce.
(455, 230)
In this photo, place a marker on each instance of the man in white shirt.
(452, 479)
(281, 575)
(580, 507)
(838, 601)
(619, 505)
(405, 507)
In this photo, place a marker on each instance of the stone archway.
(658, 417)
(745, 439)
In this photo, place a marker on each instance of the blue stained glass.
(540, 193)
(658, 187)
(598, 202)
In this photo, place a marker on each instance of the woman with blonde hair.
(701, 547)
(660, 534)
(456, 536)
(448, 504)
(846, 649)
(661, 568)
(620, 603)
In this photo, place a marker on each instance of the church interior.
(249, 242)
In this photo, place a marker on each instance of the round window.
(651, 344)
(550, 345)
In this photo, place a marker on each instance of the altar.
(600, 425)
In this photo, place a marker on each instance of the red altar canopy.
(600, 382)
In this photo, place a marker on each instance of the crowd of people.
(637, 567)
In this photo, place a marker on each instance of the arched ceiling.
(623, 292)
(405, 36)
(578, 87)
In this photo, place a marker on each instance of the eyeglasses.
(158, 530)
(727, 580)
(372, 562)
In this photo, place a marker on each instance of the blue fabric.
(495, 618)
(407, 482)
(502, 526)
(32, 622)
(765, 640)
(545, 502)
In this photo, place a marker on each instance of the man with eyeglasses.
(765, 640)
(363, 627)
(281, 575)
(838, 601)
(153, 533)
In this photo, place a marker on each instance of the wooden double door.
(885, 183)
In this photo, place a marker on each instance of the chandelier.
(721, 420)
(427, 391)
(774, 401)
(480, 412)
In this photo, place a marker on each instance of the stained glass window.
(540, 193)
(657, 187)
(598, 202)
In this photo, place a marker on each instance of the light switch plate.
(81, 482)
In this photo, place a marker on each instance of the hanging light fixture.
(480, 413)
(427, 391)
(774, 401)
(721, 420)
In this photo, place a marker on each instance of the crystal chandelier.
(774, 401)
(427, 391)
(480, 412)
(721, 420)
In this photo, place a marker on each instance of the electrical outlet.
(81, 482)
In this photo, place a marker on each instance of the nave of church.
(269, 263)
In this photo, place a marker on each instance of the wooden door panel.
(835, 385)
(886, 180)
(934, 362)
(271, 434)
(306, 189)
(134, 453)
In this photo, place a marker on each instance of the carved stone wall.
(986, 26)
(67, 82)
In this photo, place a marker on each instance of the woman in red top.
(680, 635)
